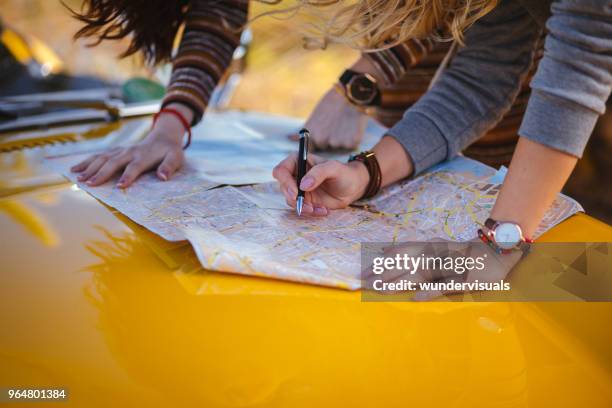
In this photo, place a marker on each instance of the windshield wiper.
(63, 108)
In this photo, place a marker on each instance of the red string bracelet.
(181, 119)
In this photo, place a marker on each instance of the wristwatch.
(505, 237)
(360, 89)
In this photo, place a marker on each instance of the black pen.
(301, 168)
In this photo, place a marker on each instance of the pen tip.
(298, 207)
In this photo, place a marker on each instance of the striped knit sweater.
(212, 33)
(393, 63)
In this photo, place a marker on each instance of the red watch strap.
(181, 119)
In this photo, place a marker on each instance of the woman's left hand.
(335, 123)
(496, 266)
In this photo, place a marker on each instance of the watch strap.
(346, 76)
(490, 223)
(368, 158)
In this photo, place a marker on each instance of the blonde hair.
(377, 24)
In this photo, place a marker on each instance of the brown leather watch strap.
(368, 158)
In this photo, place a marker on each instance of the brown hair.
(152, 24)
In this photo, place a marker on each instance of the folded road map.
(250, 230)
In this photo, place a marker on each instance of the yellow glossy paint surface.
(94, 303)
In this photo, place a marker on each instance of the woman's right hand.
(328, 184)
(161, 148)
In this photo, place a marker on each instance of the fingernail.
(81, 177)
(320, 211)
(91, 181)
(292, 193)
(306, 183)
(307, 208)
(163, 175)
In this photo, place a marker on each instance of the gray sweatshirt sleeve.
(476, 89)
(574, 78)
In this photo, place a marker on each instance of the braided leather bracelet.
(368, 158)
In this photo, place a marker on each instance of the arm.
(210, 37)
(523, 198)
(474, 92)
(570, 89)
(212, 33)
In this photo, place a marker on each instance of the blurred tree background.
(281, 76)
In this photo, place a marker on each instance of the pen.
(301, 168)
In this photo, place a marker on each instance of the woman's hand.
(162, 148)
(328, 184)
(335, 123)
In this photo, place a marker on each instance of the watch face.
(362, 90)
(507, 235)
